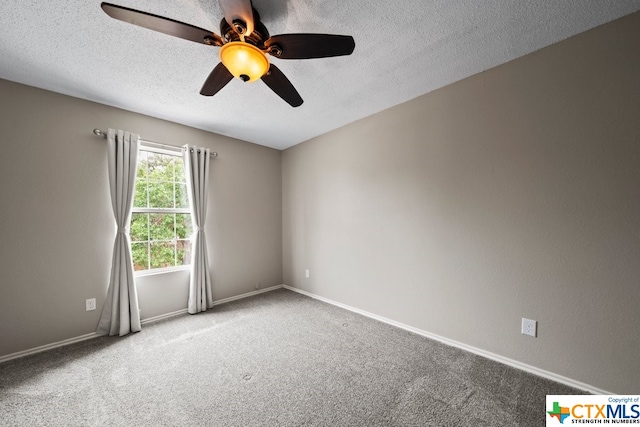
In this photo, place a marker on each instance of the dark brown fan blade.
(306, 46)
(238, 11)
(281, 85)
(218, 79)
(162, 24)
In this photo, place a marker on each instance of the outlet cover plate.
(91, 304)
(529, 327)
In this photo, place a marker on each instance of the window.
(160, 220)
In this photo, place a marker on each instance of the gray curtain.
(196, 162)
(120, 313)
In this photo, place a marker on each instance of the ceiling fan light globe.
(243, 59)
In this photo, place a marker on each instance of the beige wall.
(56, 223)
(514, 193)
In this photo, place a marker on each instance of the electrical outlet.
(529, 327)
(91, 304)
(306, 273)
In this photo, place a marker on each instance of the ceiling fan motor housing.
(240, 26)
(256, 38)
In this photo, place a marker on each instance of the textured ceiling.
(404, 48)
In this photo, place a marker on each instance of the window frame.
(147, 210)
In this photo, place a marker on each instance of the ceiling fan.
(244, 45)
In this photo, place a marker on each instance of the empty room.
(424, 214)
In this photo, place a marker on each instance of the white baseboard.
(163, 316)
(48, 347)
(496, 357)
(218, 302)
(92, 335)
(248, 294)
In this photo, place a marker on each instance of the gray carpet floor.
(275, 359)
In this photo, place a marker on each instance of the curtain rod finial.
(99, 132)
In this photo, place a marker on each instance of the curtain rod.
(102, 133)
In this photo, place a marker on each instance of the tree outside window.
(161, 221)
